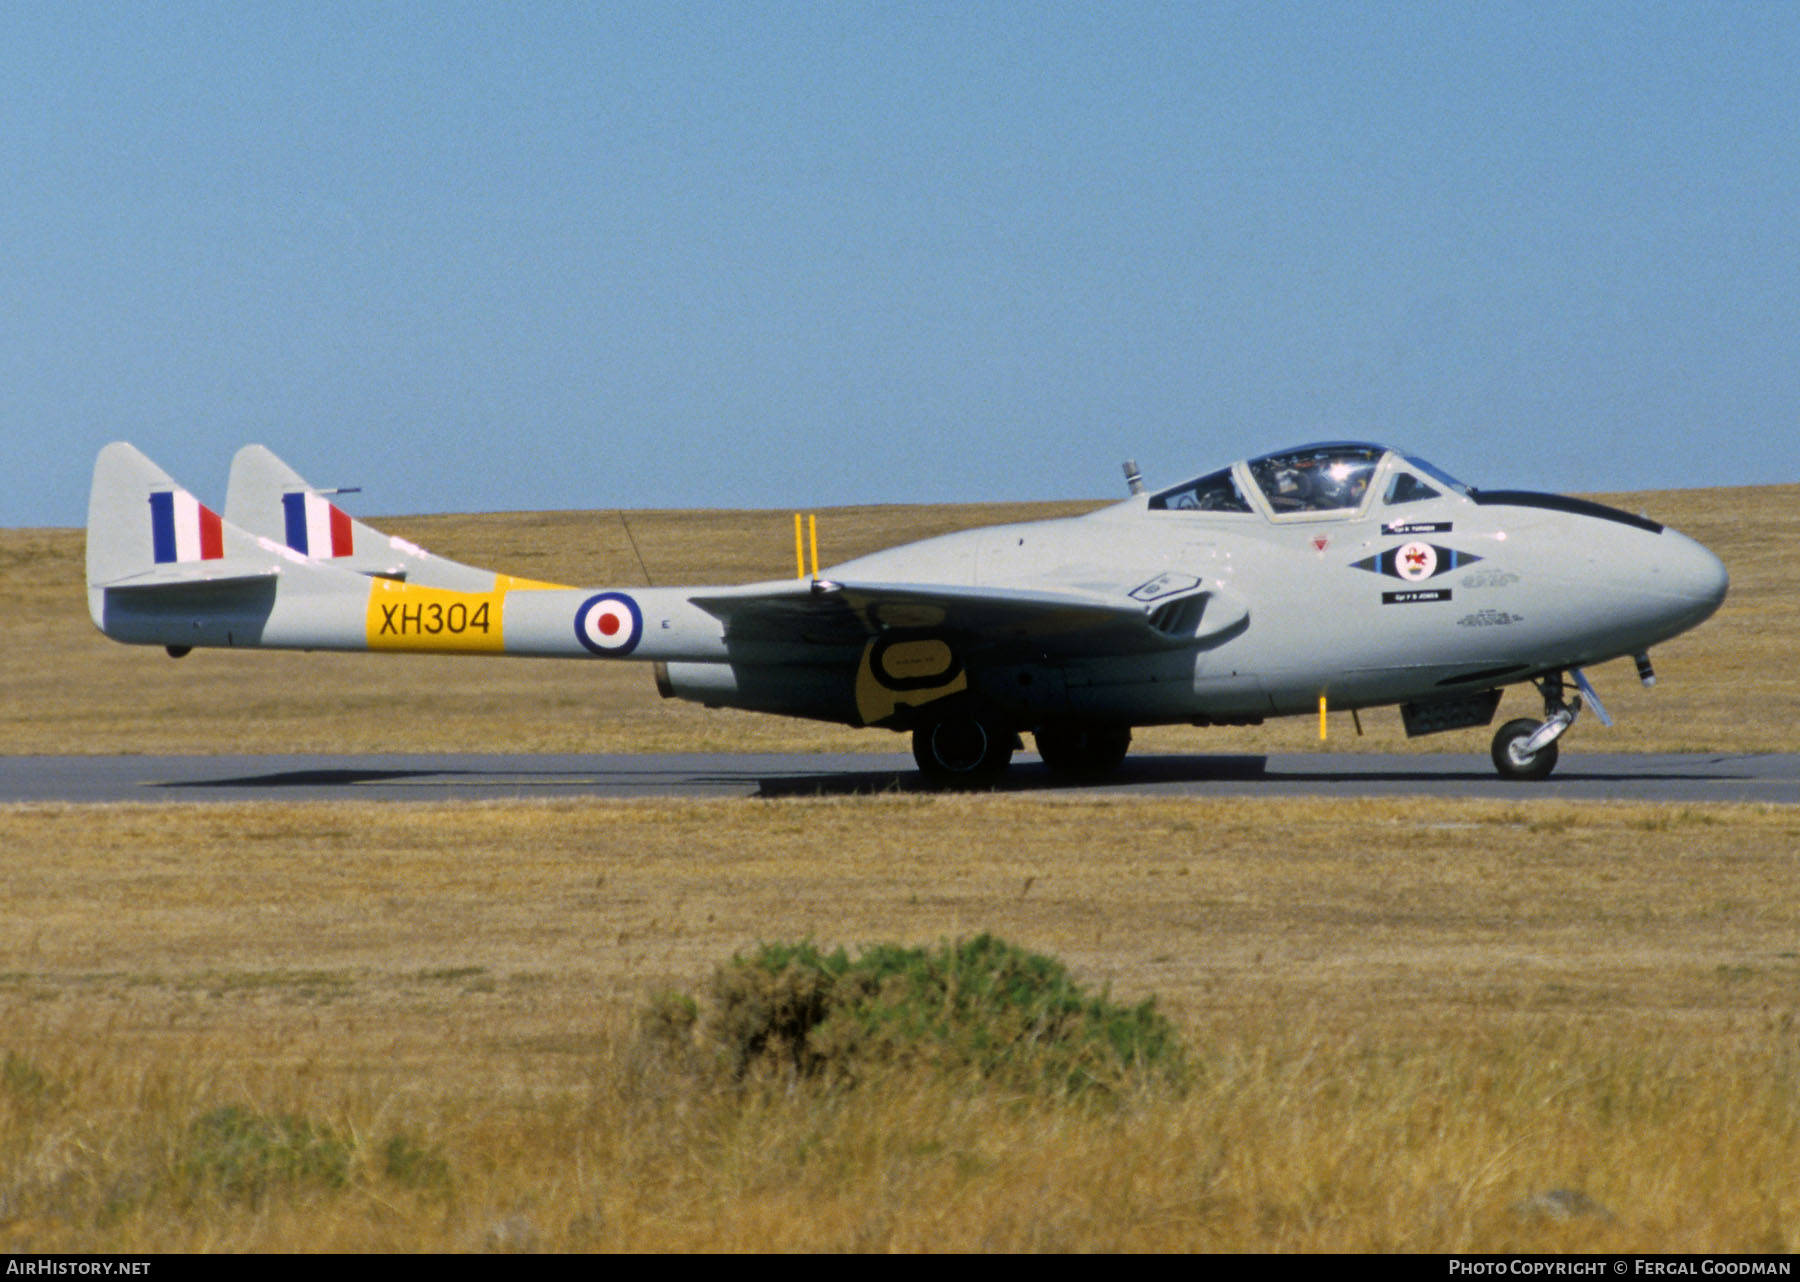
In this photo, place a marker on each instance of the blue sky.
(497, 256)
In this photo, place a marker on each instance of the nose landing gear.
(1515, 758)
(1526, 749)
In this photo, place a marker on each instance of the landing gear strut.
(1526, 749)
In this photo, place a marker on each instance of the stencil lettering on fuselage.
(1166, 584)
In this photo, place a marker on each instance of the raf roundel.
(609, 624)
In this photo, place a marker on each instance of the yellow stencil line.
(512, 583)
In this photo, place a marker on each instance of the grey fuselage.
(1295, 607)
(1341, 571)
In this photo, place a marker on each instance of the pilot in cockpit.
(1307, 481)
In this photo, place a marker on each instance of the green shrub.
(23, 1078)
(978, 1007)
(408, 1162)
(244, 1153)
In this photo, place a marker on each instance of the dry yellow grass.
(1727, 686)
(1405, 1028)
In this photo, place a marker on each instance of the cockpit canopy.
(1329, 479)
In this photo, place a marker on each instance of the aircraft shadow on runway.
(1028, 776)
(317, 778)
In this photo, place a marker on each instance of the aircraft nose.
(1694, 572)
(1688, 572)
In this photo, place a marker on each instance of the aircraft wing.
(832, 612)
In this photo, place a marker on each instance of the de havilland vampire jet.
(1342, 574)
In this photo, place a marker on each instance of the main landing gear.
(1526, 749)
(964, 744)
(1083, 752)
(967, 743)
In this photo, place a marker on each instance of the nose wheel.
(1526, 749)
(1514, 758)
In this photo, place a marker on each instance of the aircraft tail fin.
(143, 530)
(156, 555)
(271, 499)
(165, 569)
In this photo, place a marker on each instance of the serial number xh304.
(1342, 574)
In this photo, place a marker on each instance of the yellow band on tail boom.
(410, 616)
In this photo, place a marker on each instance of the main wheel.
(963, 746)
(1512, 762)
(1083, 751)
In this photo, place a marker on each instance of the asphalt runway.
(1686, 777)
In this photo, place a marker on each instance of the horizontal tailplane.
(165, 569)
